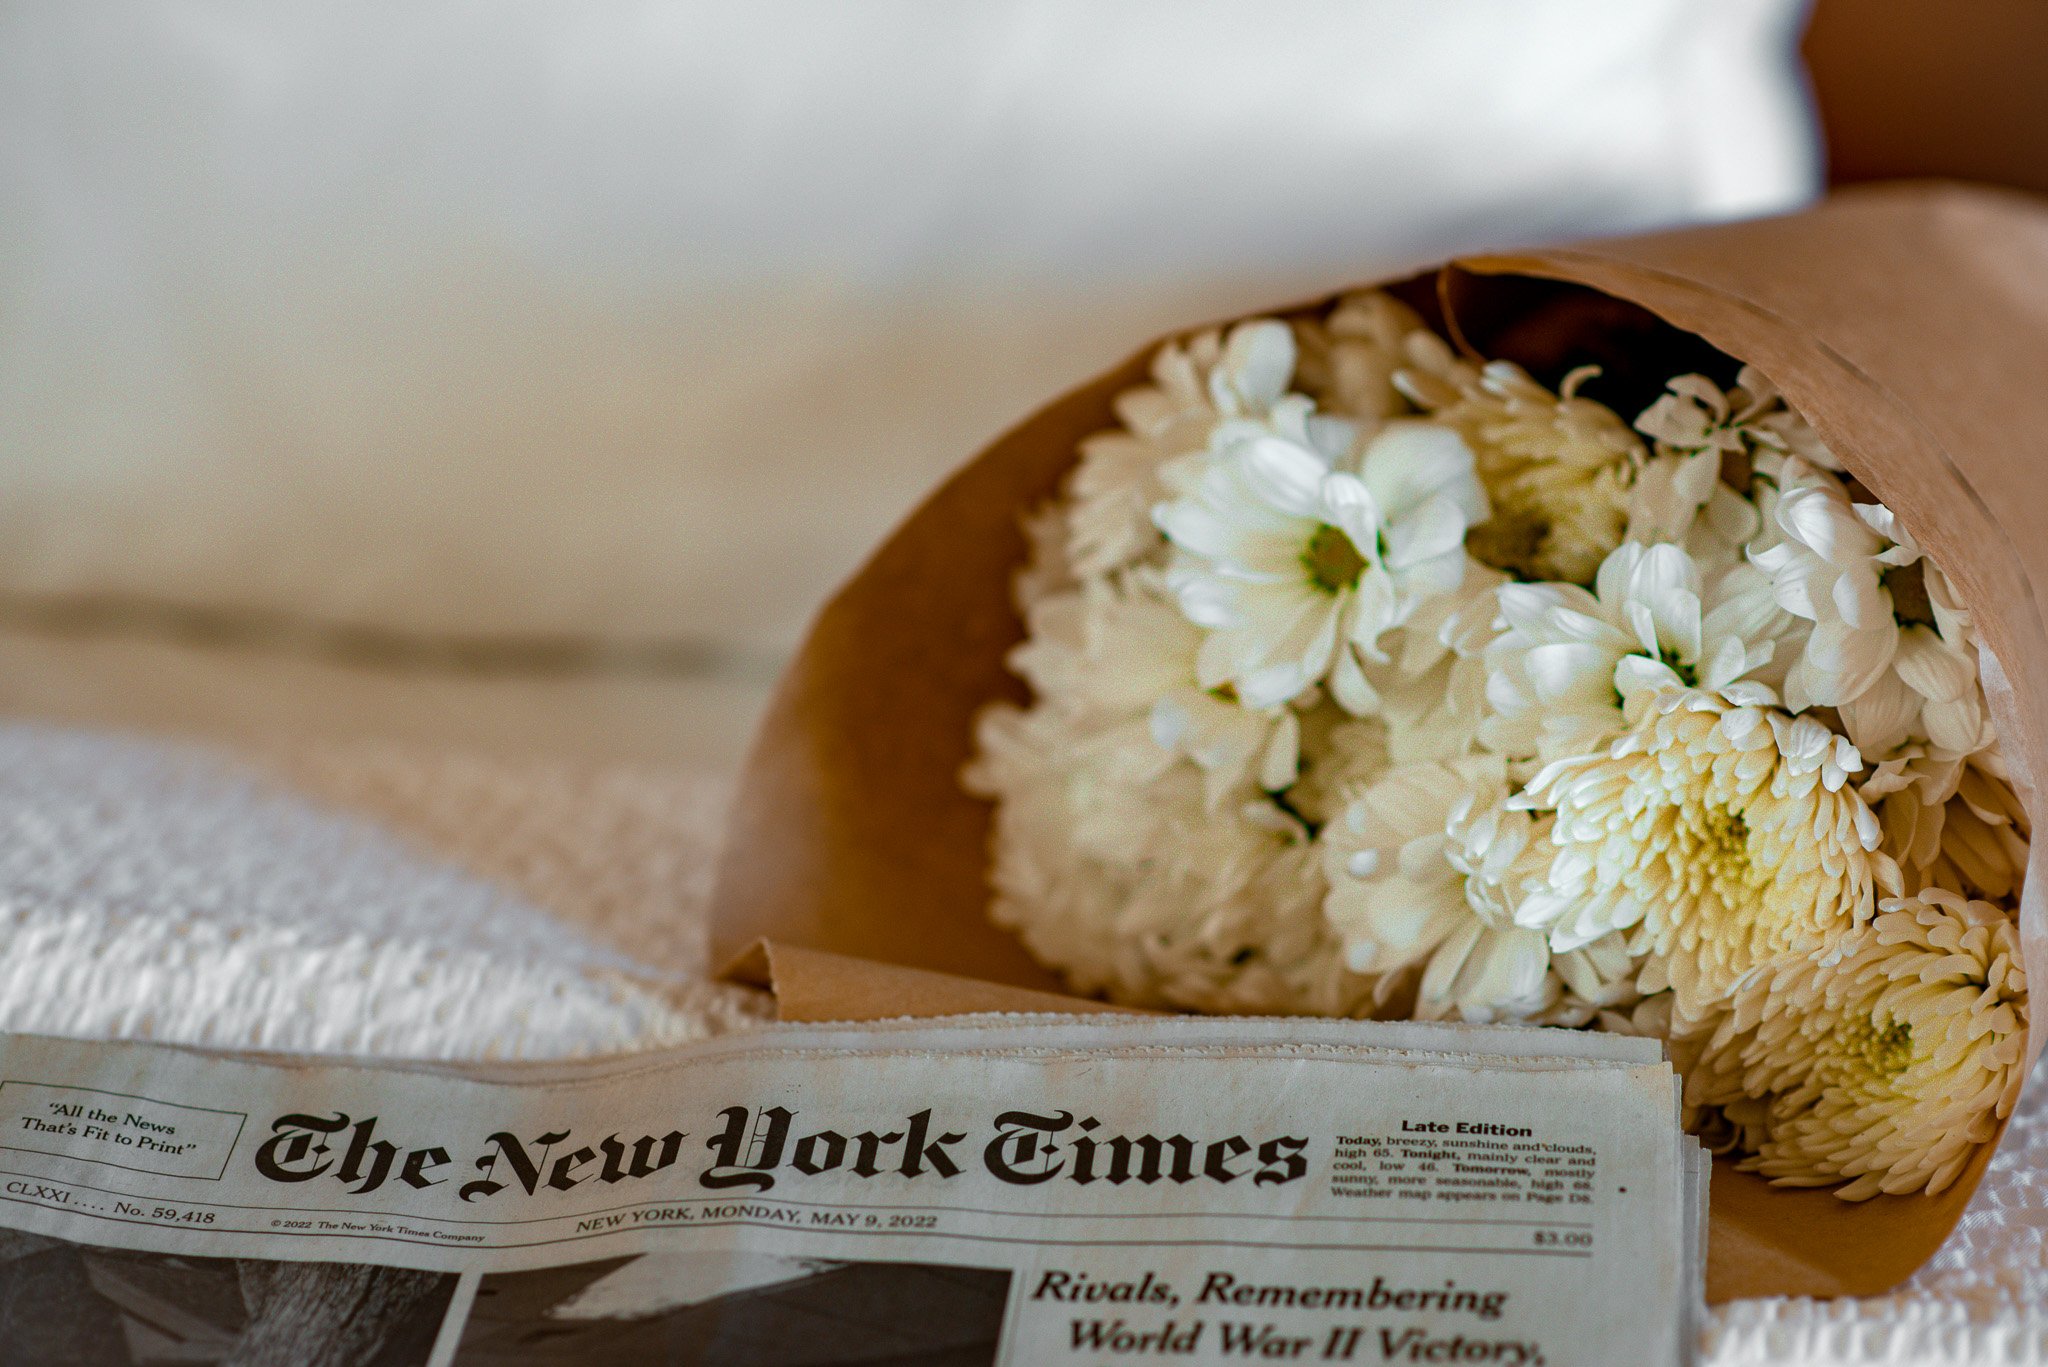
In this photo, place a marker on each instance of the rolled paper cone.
(1909, 324)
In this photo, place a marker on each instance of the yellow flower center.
(1721, 852)
(1332, 562)
(1885, 1050)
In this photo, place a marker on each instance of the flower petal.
(1285, 476)
(1931, 667)
(1567, 672)
(1860, 599)
(1636, 675)
(1349, 686)
(1409, 463)
(1257, 365)
(1433, 529)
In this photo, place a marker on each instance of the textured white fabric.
(378, 900)
(1982, 1299)
(153, 892)
(648, 316)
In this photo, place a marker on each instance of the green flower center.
(1688, 676)
(1907, 585)
(1332, 562)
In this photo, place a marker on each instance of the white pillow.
(647, 319)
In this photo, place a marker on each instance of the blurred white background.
(623, 329)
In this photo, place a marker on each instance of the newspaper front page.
(1013, 1190)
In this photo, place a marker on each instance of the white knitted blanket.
(360, 900)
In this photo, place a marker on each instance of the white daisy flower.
(1296, 567)
(1890, 646)
(1505, 854)
(1574, 669)
(1196, 384)
(1825, 566)
(1887, 1066)
(1557, 467)
(1104, 651)
(1721, 836)
(1425, 868)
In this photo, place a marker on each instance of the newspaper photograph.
(995, 1190)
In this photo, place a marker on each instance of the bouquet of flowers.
(1636, 635)
(1373, 677)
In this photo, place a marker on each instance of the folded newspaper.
(1001, 1189)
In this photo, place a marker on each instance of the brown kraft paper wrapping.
(1908, 323)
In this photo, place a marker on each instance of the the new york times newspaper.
(990, 1190)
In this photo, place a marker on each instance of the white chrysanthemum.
(1557, 467)
(1046, 570)
(1196, 384)
(1133, 849)
(1118, 653)
(1885, 1068)
(1111, 865)
(1425, 869)
(1348, 358)
(1721, 836)
(1951, 821)
(1889, 647)
(1750, 420)
(1574, 669)
(1296, 566)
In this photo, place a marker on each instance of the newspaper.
(1016, 1190)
